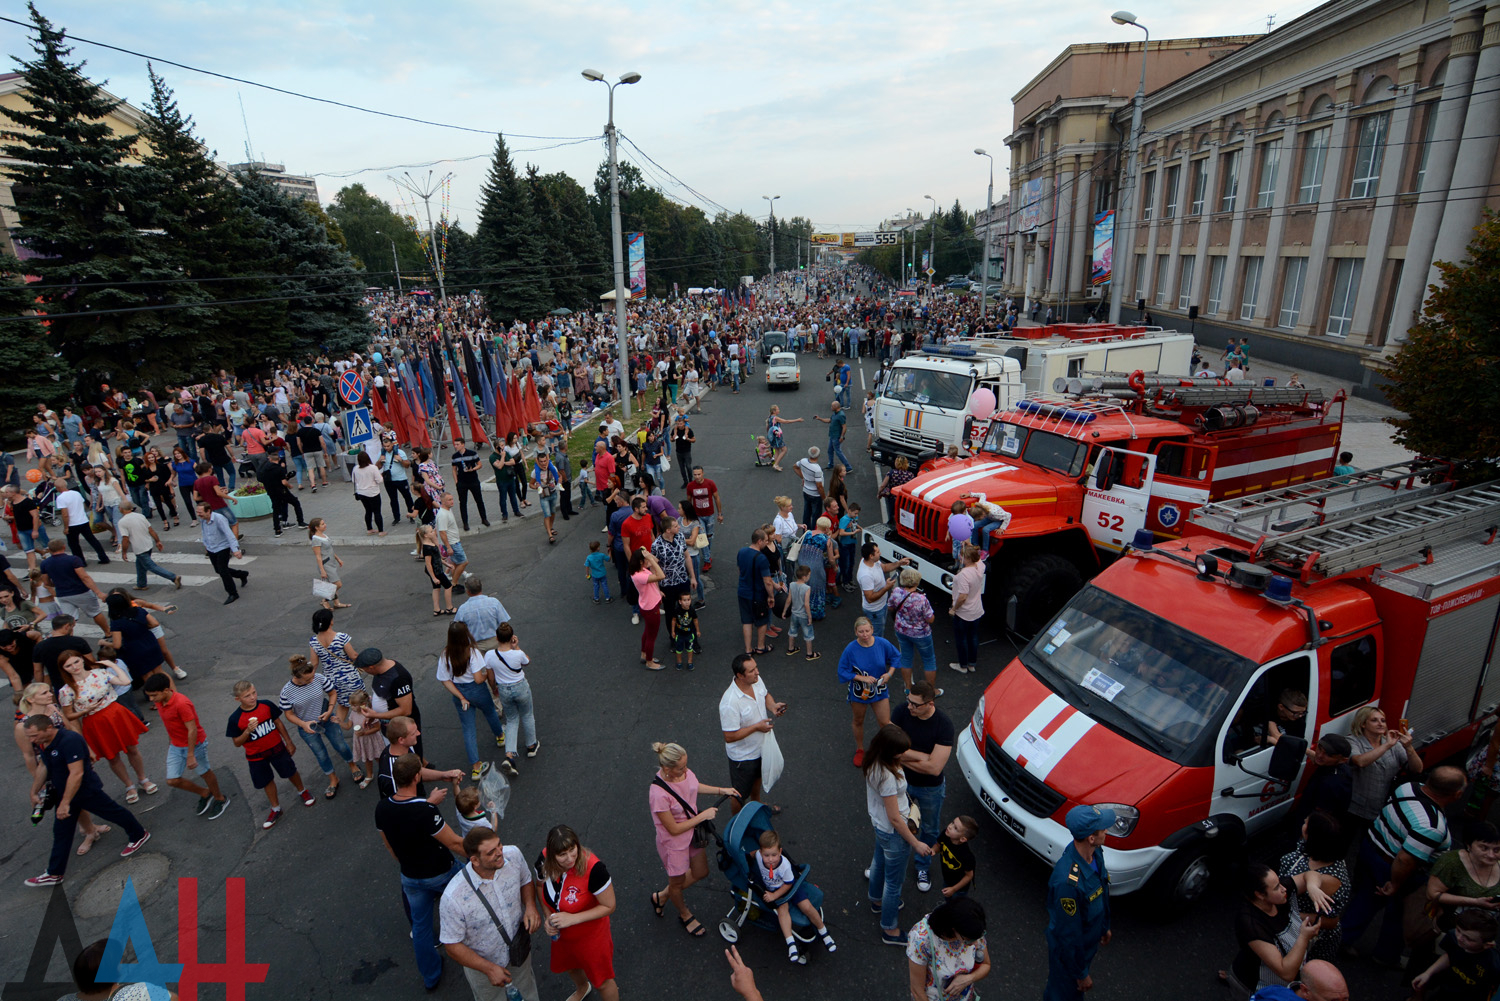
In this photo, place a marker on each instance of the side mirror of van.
(968, 429)
(1104, 470)
(1287, 758)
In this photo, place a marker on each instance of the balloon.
(377, 357)
(34, 475)
(982, 402)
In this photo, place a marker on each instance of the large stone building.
(1299, 188)
(293, 185)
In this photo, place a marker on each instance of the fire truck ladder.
(1365, 534)
(1290, 508)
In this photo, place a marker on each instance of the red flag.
(533, 402)
(476, 429)
(513, 400)
(452, 417)
(377, 404)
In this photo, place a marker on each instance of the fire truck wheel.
(1183, 878)
(1041, 584)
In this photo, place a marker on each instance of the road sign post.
(357, 429)
(352, 390)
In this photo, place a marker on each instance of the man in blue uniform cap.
(1078, 905)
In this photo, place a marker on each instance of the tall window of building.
(1140, 276)
(1169, 196)
(1185, 282)
(1104, 196)
(1251, 290)
(1160, 286)
(1270, 166)
(1369, 153)
(1427, 130)
(1215, 283)
(1314, 157)
(1229, 165)
(1292, 284)
(1346, 272)
(1148, 194)
(1200, 185)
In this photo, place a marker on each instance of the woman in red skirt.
(578, 898)
(112, 731)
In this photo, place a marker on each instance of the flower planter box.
(253, 506)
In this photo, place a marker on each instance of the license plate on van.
(1005, 818)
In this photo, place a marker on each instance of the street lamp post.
(984, 256)
(932, 242)
(1127, 195)
(909, 270)
(771, 199)
(394, 261)
(614, 219)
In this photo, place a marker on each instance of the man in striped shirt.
(1393, 859)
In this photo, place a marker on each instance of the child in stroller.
(763, 456)
(740, 856)
(774, 875)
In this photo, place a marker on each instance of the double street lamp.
(1127, 194)
(771, 199)
(614, 218)
(984, 256)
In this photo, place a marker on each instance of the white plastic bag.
(771, 762)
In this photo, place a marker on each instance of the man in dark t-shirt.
(466, 481)
(392, 689)
(931, 733)
(47, 655)
(215, 447)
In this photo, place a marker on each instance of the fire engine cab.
(1080, 475)
(1154, 689)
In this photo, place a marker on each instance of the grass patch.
(581, 441)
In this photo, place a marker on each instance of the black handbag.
(518, 948)
(701, 831)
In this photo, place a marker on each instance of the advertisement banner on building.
(1030, 216)
(872, 239)
(1104, 248)
(635, 244)
(926, 260)
(826, 239)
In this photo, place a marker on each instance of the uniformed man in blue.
(1078, 905)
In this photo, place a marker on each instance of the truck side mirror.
(1104, 470)
(1287, 758)
(968, 429)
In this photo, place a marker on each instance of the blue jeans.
(887, 873)
(836, 451)
(508, 491)
(143, 563)
(334, 734)
(654, 471)
(225, 475)
(586, 495)
(846, 563)
(877, 619)
(1371, 870)
(601, 587)
(39, 536)
(914, 646)
(929, 800)
(520, 723)
(966, 639)
(299, 466)
(479, 698)
(706, 523)
(698, 573)
(981, 536)
(141, 498)
(188, 445)
(842, 395)
(422, 896)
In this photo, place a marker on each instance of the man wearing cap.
(1331, 783)
(392, 694)
(1078, 905)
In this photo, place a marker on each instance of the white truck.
(923, 404)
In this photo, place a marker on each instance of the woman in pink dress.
(674, 811)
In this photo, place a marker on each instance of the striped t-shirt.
(306, 701)
(1411, 823)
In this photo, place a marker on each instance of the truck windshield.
(1138, 674)
(1056, 452)
(928, 387)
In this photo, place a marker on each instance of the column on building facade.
(1402, 135)
(1237, 225)
(1205, 217)
(1081, 254)
(1176, 222)
(1064, 196)
(1152, 226)
(1282, 197)
(1338, 142)
(1475, 162)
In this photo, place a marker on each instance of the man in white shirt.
(874, 589)
(448, 534)
(495, 887)
(75, 519)
(813, 490)
(138, 539)
(745, 712)
(614, 428)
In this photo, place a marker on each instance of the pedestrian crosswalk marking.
(188, 580)
(195, 558)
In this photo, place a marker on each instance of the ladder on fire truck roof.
(1333, 539)
(1064, 415)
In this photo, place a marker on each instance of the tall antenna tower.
(249, 154)
(426, 192)
(1270, 22)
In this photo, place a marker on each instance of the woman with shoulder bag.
(913, 614)
(889, 808)
(673, 799)
(463, 670)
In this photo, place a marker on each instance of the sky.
(852, 112)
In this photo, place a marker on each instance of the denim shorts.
(177, 760)
(802, 627)
(459, 556)
(547, 504)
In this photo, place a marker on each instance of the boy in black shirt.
(1469, 967)
(956, 858)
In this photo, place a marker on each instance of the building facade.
(294, 185)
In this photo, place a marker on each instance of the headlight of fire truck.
(976, 725)
(1125, 819)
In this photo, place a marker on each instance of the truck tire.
(1041, 584)
(1183, 878)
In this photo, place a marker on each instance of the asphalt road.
(322, 907)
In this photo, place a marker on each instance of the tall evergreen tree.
(209, 237)
(462, 264)
(568, 228)
(33, 372)
(323, 286)
(73, 194)
(511, 248)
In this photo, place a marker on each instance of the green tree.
(511, 249)
(320, 282)
(370, 226)
(210, 241)
(33, 372)
(463, 265)
(74, 194)
(1446, 377)
(579, 235)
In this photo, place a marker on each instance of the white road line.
(188, 580)
(194, 558)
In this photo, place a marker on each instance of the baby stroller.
(736, 847)
(763, 454)
(45, 496)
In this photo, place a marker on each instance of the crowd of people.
(473, 899)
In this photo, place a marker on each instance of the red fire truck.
(1152, 689)
(1081, 475)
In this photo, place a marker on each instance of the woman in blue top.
(187, 475)
(866, 666)
(817, 549)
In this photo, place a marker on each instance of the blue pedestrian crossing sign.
(357, 425)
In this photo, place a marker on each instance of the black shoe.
(231, 599)
(278, 533)
(103, 560)
(244, 580)
(484, 522)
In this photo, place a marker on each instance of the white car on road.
(783, 370)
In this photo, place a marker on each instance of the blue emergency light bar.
(1051, 410)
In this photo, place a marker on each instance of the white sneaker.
(959, 668)
(635, 619)
(179, 673)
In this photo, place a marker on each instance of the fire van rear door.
(1117, 495)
